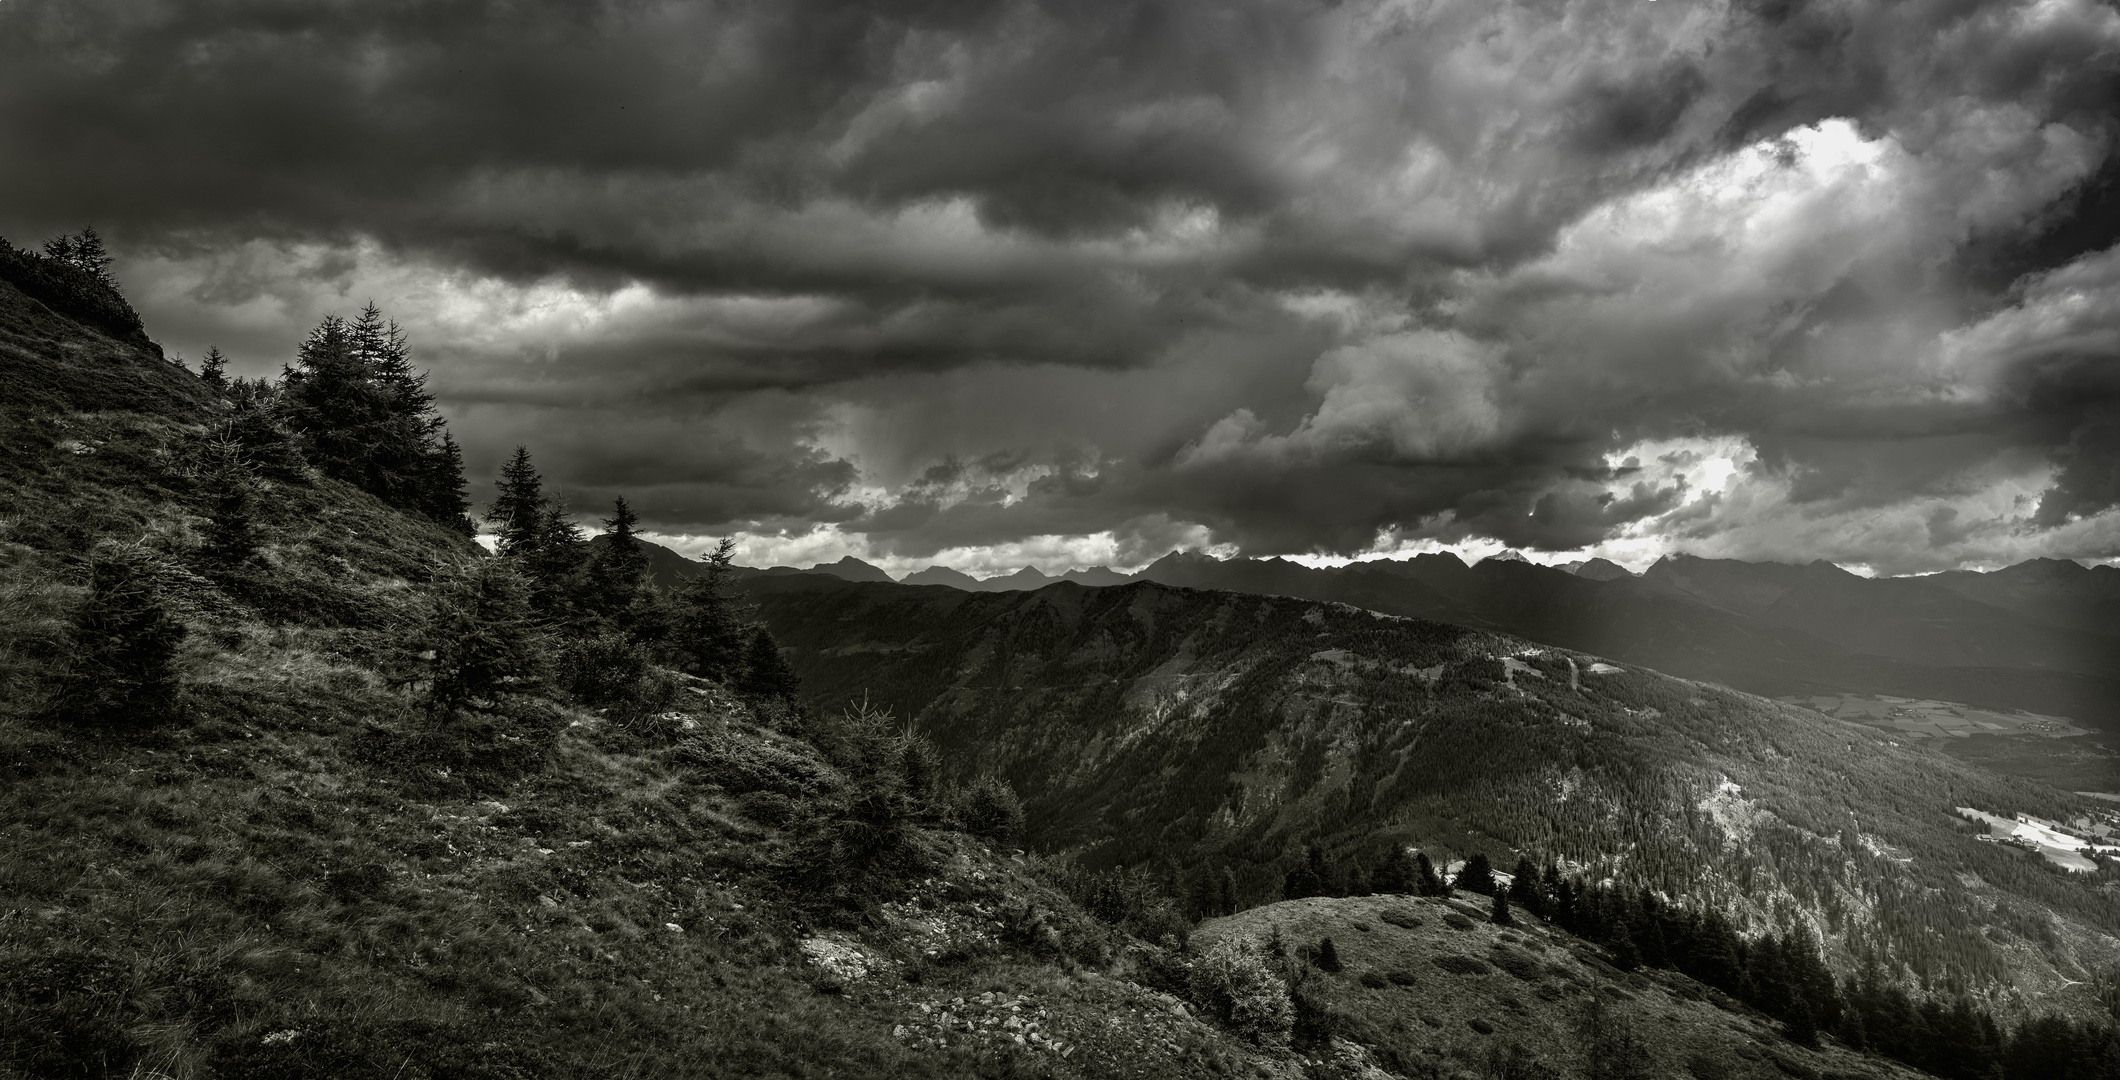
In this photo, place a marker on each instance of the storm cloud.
(1065, 282)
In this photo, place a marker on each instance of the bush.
(1460, 965)
(613, 671)
(1236, 985)
(990, 809)
(1401, 917)
(1374, 981)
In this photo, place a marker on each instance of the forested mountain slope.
(1211, 731)
(2036, 637)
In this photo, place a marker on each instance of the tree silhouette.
(1477, 875)
(213, 368)
(707, 628)
(766, 672)
(83, 251)
(1426, 881)
(518, 508)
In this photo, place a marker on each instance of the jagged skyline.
(1035, 284)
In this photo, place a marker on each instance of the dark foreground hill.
(294, 866)
(1220, 734)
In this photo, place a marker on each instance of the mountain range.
(2041, 636)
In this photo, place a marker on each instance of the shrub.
(990, 809)
(1401, 917)
(1402, 977)
(1328, 955)
(1518, 964)
(1460, 965)
(1236, 985)
(1374, 981)
(612, 670)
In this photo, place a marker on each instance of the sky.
(1073, 283)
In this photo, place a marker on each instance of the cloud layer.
(1060, 282)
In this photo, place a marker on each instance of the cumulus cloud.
(1043, 282)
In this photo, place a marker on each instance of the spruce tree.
(1395, 874)
(231, 531)
(1427, 882)
(1500, 915)
(83, 251)
(121, 669)
(618, 567)
(444, 494)
(557, 554)
(1524, 889)
(1303, 880)
(480, 648)
(518, 509)
(766, 672)
(213, 370)
(1328, 955)
(707, 628)
(1322, 871)
(1477, 875)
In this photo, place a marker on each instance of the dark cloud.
(1281, 276)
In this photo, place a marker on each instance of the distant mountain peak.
(1507, 555)
(1601, 569)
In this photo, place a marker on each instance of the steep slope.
(303, 874)
(1219, 730)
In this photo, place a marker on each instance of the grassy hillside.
(1428, 980)
(301, 874)
(1214, 733)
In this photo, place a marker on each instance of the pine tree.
(1477, 875)
(213, 369)
(365, 417)
(1322, 871)
(444, 494)
(707, 627)
(518, 509)
(1396, 873)
(480, 648)
(557, 554)
(83, 251)
(1297, 883)
(1500, 915)
(231, 532)
(1524, 887)
(766, 672)
(122, 663)
(618, 567)
(1426, 880)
